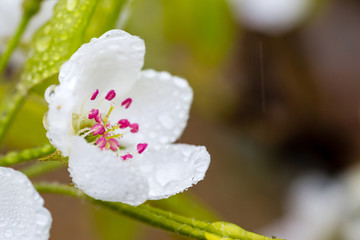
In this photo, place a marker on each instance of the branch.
(12, 158)
(169, 221)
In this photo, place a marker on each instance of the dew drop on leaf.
(71, 5)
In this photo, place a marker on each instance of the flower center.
(96, 128)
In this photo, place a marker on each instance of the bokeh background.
(276, 102)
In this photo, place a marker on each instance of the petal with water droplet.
(161, 105)
(171, 169)
(22, 214)
(102, 175)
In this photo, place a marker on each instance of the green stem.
(41, 168)
(9, 108)
(14, 41)
(156, 217)
(12, 158)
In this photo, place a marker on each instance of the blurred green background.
(269, 107)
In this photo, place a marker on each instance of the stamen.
(93, 113)
(134, 127)
(98, 118)
(141, 147)
(110, 95)
(126, 103)
(94, 94)
(83, 130)
(123, 123)
(114, 144)
(113, 136)
(101, 143)
(107, 115)
(97, 129)
(106, 137)
(127, 156)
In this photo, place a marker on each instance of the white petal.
(173, 168)
(161, 105)
(103, 176)
(22, 215)
(111, 62)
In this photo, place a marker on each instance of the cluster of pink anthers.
(108, 140)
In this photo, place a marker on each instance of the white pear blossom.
(22, 214)
(319, 207)
(117, 123)
(271, 16)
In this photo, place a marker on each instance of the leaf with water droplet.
(57, 40)
(230, 231)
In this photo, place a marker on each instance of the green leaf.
(57, 40)
(230, 231)
(100, 24)
(51, 46)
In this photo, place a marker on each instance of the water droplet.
(47, 29)
(43, 43)
(149, 73)
(8, 233)
(49, 93)
(181, 83)
(63, 35)
(2, 223)
(225, 230)
(42, 218)
(164, 76)
(45, 121)
(71, 4)
(56, 56)
(138, 46)
(166, 121)
(186, 97)
(164, 139)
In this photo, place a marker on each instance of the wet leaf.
(57, 40)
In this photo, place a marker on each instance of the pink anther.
(93, 113)
(123, 123)
(101, 143)
(97, 129)
(126, 103)
(114, 144)
(141, 147)
(134, 127)
(127, 156)
(94, 94)
(110, 95)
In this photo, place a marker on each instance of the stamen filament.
(112, 129)
(107, 115)
(114, 136)
(83, 130)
